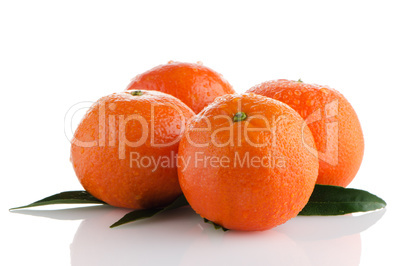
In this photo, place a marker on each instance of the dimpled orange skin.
(307, 98)
(254, 196)
(101, 169)
(194, 84)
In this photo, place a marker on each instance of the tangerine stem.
(137, 93)
(240, 116)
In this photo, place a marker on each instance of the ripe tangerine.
(247, 162)
(333, 122)
(117, 145)
(194, 84)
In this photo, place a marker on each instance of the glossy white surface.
(54, 55)
(182, 238)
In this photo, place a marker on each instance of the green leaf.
(325, 200)
(68, 197)
(334, 200)
(216, 226)
(143, 214)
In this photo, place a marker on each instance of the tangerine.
(246, 163)
(195, 84)
(332, 120)
(123, 151)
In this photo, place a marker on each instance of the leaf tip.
(16, 208)
(114, 225)
(216, 226)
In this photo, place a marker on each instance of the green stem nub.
(137, 93)
(240, 116)
(300, 81)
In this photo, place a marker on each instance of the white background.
(54, 54)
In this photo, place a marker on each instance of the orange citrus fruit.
(247, 162)
(124, 149)
(195, 84)
(332, 120)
